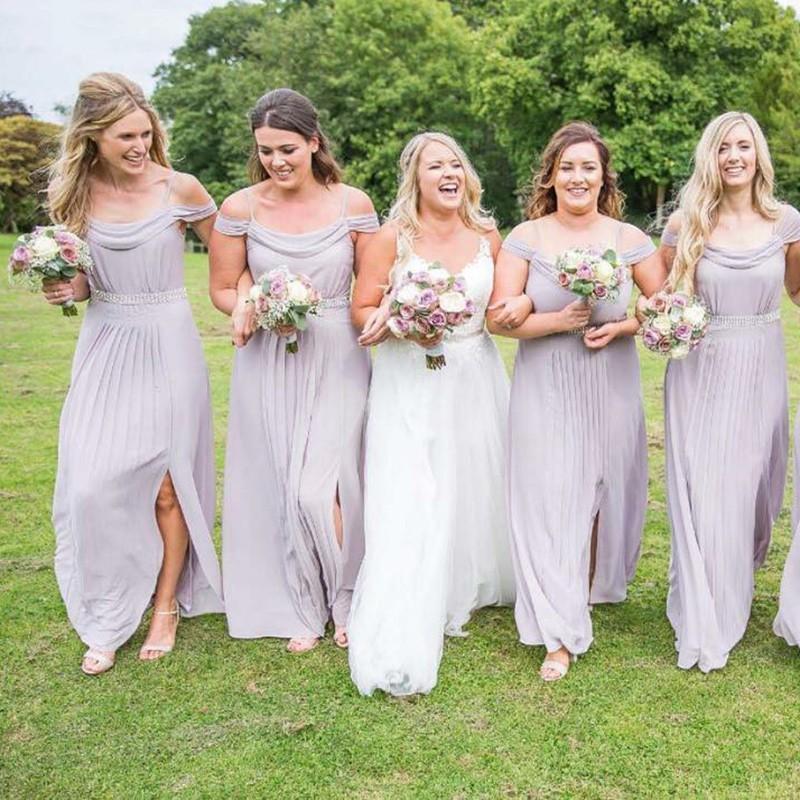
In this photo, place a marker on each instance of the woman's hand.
(58, 292)
(575, 315)
(513, 311)
(243, 322)
(375, 329)
(596, 338)
(641, 302)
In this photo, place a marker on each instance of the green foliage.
(26, 147)
(378, 70)
(649, 73)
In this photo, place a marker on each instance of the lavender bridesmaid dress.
(295, 432)
(577, 450)
(138, 407)
(726, 437)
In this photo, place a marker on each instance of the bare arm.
(375, 266)
(510, 278)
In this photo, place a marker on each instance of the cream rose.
(297, 292)
(604, 271)
(438, 275)
(407, 294)
(695, 315)
(452, 302)
(255, 291)
(662, 325)
(45, 248)
(680, 351)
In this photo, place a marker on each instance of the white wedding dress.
(436, 532)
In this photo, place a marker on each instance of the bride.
(435, 521)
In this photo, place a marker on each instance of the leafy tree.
(378, 71)
(11, 106)
(26, 145)
(649, 73)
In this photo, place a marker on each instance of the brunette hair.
(288, 110)
(542, 195)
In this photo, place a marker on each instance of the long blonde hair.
(103, 99)
(699, 198)
(542, 194)
(405, 209)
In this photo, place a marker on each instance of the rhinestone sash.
(142, 298)
(719, 322)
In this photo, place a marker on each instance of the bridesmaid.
(292, 513)
(726, 419)
(578, 451)
(134, 498)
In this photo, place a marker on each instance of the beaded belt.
(718, 322)
(334, 302)
(143, 298)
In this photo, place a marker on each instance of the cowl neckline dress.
(726, 437)
(138, 407)
(577, 450)
(295, 430)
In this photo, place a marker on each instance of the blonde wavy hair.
(542, 194)
(405, 209)
(699, 198)
(103, 99)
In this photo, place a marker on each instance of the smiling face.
(285, 155)
(440, 178)
(736, 157)
(578, 178)
(125, 145)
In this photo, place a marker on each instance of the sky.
(49, 45)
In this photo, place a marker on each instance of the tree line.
(499, 75)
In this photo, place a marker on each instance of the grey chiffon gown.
(726, 437)
(138, 407)
(295, 431)
(577, 450)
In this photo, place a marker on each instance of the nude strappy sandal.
(161, 648)
(104, 663)
(558, 667)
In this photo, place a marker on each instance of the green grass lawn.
(225, 718)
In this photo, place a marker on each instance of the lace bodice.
(479, 277)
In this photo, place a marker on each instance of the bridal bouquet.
(674, 324)
(283, 298)
(49, 253)
(590, 274)
(427, 304)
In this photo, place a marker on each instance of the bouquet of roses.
(49, 253)
(427, 304)
(590, 274)
(674, 324)
(283, 298)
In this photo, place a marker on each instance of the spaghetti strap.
(345, 196)
(248, 193)
(168, 192)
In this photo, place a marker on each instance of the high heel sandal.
(559, 667)
(104, 663)
(163, 649)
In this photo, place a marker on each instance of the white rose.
(604, 271)
(452, 302)
(45, 248)
(680, 351)
(255, 291)
(695, 315)
(662, 325)
(407, 294)
(438, 275)
(297, 293)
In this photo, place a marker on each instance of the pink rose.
(563, 279)
(422, 326)
(69, 253)
(438, 319)
(679, 300)
(652, 338)
(455, 319)
(63, 237)
(469, 309)
(427, 298)
(584, 272)
(683, 332)
(658, 303)
(407, 311)
(600, 292)
(665, 345)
